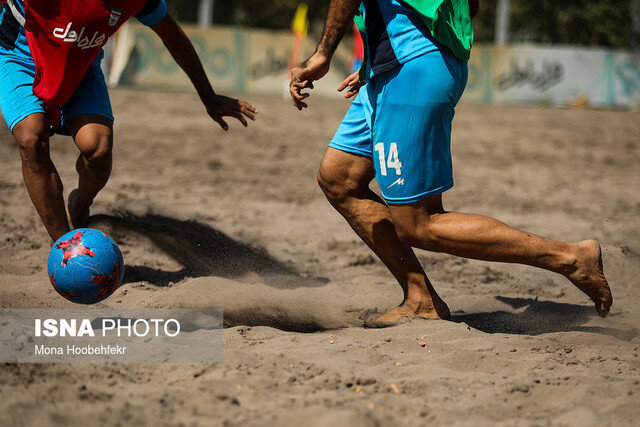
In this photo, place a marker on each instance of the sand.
(236, 221)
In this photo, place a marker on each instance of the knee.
(96, 146)
(33, 144)
(337, 185)
(325, 180)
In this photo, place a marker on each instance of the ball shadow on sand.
(539, 317)
(202, 250)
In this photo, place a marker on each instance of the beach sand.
(236, 221)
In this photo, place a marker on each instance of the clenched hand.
(303, 77)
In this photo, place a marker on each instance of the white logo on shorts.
(399, 181)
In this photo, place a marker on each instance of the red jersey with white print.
(64, 38)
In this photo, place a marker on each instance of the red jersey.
(65, 36)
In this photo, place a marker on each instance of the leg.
(345, 179)
(94, 137)
(40, 175)
(426, 225)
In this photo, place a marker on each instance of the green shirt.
(449, 22)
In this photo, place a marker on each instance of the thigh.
(90, 98)
(412, 215)
(17, 101)
(411, 130)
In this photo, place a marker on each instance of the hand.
(219, 106)
(303, 76)
(354, 81)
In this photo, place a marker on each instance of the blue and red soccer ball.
(85, 266)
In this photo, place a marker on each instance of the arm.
(341, 12)
(182, 50)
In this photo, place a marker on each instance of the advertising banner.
(256, 61)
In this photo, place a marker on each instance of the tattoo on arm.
(341, 12)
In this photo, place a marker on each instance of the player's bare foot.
(588, 276)
(79, 218)
(426, 309)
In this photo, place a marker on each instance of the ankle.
(79, 201)
(567, 261)
(418, 298)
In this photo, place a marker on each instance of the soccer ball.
(85, 266)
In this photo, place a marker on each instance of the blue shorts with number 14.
(402, 120)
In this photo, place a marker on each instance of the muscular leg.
(94, 137)
(345, 179)
(428, 226)
(40, 175)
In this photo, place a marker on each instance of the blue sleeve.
(152, 12)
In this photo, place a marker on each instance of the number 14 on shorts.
(391, 162)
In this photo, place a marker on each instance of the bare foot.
(588, 276)
(427, 310)
(79, 219)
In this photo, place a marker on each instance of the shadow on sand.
(202, 251)
(539, 317)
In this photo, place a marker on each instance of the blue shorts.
(402, 120)
(17, 101)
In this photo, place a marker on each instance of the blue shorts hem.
(416, 198)
(71, 115)
(23, 116)
(348, 149)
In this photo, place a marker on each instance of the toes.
(602, 309)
